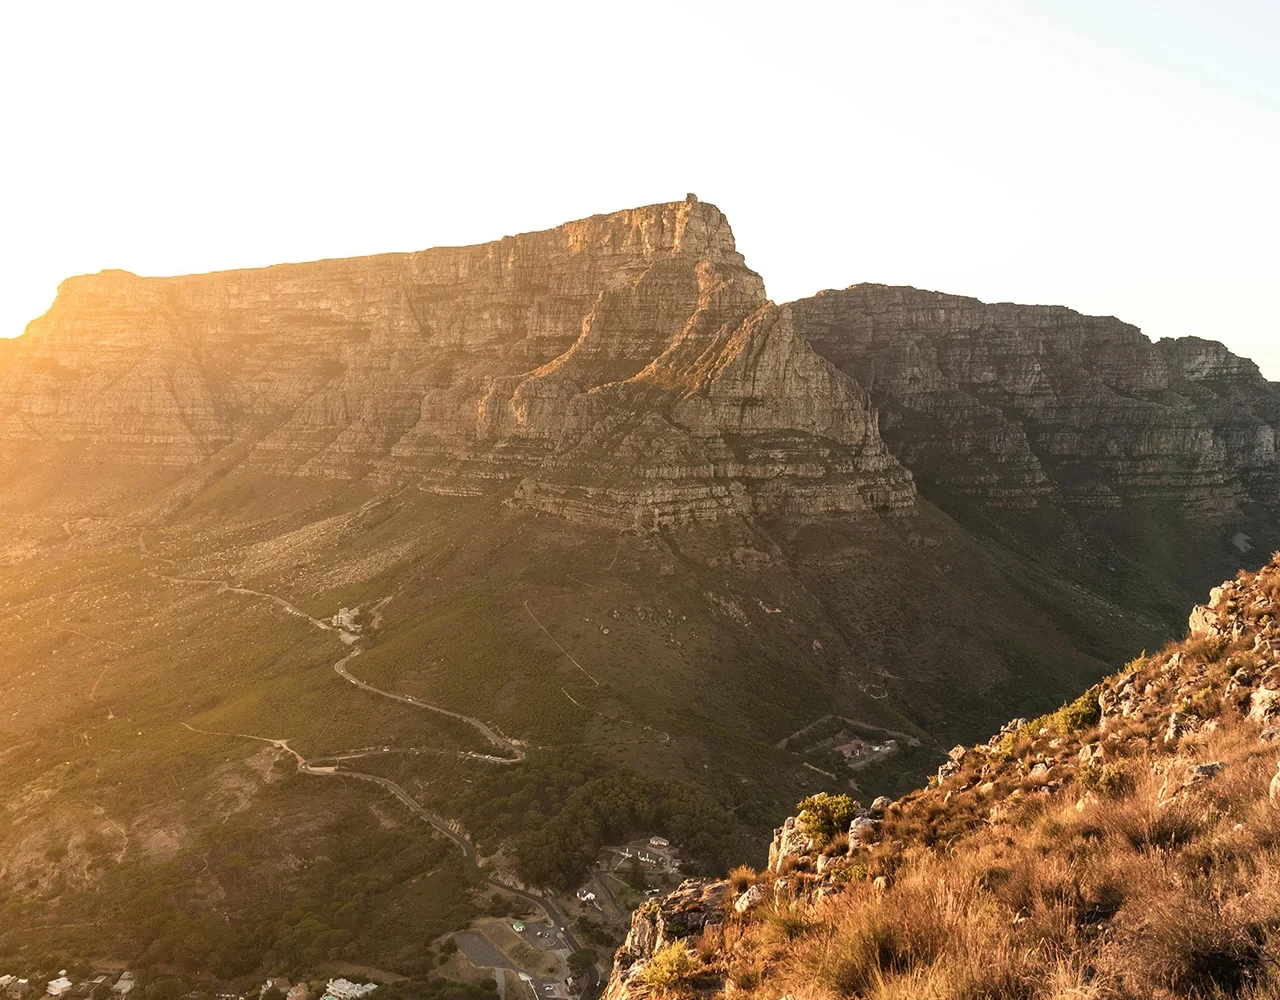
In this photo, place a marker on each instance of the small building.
(659, 842)
(298, 991)
(344, 989)
(60, 986)
(93, 989)
(17, 989)
(277, 983)
(123, 985)
(517, 926)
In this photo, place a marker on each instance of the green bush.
(669, 965)
(1070, 718)
(824, 815)
(1112, 780)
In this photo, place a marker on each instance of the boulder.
(1264, 706)
(1203, 621)
(861, 830)
(880, 806)
(754, 896)
(788, 841)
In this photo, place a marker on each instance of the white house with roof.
(57, 987)
(344, 989)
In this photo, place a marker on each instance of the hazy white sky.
(1117, 156)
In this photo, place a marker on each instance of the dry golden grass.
(1119, 879)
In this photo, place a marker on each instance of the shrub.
(1147, 825)
(742, 878)
(837, 846)
(824, 815)
(670, 965)
(1112, 780)
(787, 921)
(1079, 714)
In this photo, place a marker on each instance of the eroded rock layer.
(624, 369)
(1023, 405)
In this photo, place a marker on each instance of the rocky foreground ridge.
(1127, 845)
(627, 369)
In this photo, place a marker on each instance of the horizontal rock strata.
(1026, 405)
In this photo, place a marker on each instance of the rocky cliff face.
(627, 369)
(1024, 406)
(624, 368)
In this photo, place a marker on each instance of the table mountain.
(587, 488)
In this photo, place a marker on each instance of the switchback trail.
(315, 766)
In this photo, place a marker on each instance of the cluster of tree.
(505, 906)
(597, 933)
(500, 802)
(608, 809)
(582, 959)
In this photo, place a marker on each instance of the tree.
(169, 988)
(582, 959)
(822, 816)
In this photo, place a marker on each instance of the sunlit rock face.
(624, 369)
(1021, 406)
(628, 370)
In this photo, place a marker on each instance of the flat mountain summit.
(566, 519)
(628, 369)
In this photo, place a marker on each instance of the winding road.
(315, 766)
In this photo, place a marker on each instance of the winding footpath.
(317, 766)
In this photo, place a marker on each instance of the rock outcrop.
(696, 907)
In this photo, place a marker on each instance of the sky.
(1117, 156)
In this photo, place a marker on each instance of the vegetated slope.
(1127, 845)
